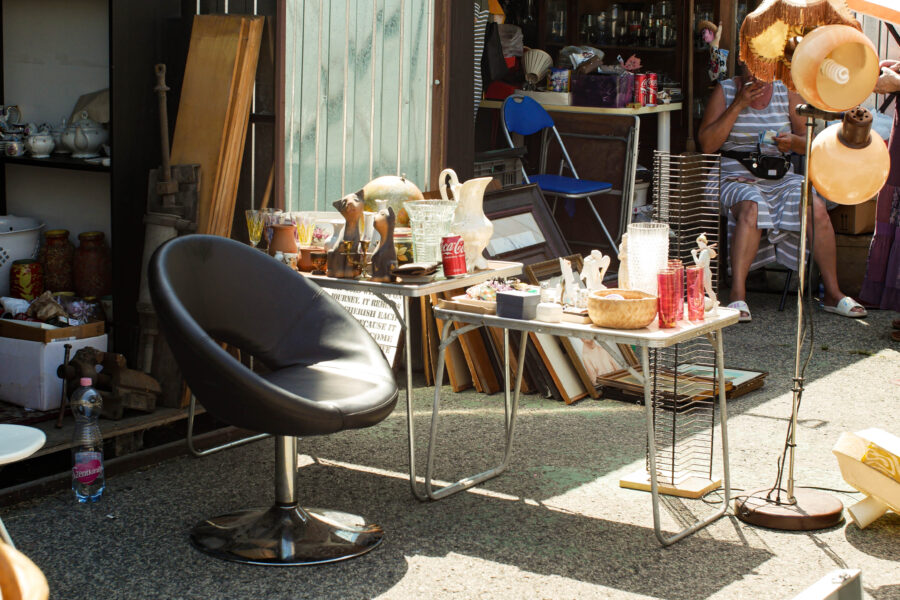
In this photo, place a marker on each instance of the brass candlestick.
(357, 260)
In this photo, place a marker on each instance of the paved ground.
(556, 525)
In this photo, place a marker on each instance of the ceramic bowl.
(634, 310)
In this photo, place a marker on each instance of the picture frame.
(524, 228)
(598, 360)
(695, 381)
(565, 377)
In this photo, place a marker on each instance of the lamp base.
(812, 510)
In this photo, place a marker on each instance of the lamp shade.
(849, 163)
(768, 33)
(835, 67)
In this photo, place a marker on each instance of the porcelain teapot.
(469, 221)
(84, 137)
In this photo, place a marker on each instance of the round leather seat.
(326, 371)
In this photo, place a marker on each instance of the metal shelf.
(56, 162)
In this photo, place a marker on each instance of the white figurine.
(623, 263)
(569, 286)
(594, 270)
(703, 255)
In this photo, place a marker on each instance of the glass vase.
(648, 252)
(676, 265)
(695, 297)
(667, 285)
(430, 221)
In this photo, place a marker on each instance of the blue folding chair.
(523, 115)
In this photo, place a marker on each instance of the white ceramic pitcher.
(469, 221)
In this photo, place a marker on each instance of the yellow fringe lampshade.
(768, 33)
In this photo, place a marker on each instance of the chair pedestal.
(286, 534)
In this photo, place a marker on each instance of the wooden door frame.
(453, 89)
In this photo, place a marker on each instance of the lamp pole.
(803, 509)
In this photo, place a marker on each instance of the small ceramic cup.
(15, 148)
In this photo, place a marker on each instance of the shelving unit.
(56, 162)
(85, 46)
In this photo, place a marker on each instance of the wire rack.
(686, 192)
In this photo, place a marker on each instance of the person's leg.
(825, 252)
(744, 245)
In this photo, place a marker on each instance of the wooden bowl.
(635, 310)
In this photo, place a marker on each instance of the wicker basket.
(636, 310)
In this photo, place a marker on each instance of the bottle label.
(88, 466)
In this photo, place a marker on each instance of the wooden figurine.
(351, 208)
(384, 261)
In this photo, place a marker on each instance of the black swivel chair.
(326, 374)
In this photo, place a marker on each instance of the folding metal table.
(495, 269)
(649, 337)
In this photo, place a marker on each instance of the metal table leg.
(511, 405)
(716, 340)
(413, 479)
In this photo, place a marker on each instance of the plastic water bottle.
(88, 481)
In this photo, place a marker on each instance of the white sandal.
(745, 311)
(845, 308)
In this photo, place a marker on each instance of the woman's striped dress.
(779, 200)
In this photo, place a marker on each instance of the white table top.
(498, 268)
(18, 442)
(651, 336)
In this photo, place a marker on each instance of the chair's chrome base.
(286, 535)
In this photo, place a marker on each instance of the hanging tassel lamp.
(769, 33)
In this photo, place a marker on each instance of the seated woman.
(744, 114)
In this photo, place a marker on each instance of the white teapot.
(84, 137)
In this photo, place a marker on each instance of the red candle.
(695, 297)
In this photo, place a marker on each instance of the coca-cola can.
(652, 88)
(453, 255)
(640, 89)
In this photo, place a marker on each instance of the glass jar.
(56, 257)
(403, 245)
(93, 269)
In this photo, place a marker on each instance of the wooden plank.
(238, 135)
(428, 366)
(459, 375)
(433, 338)
(205, 100)
(481, 360)
(497, 336)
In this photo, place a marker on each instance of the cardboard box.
(855, 219)
(852, 254)
(30, 355)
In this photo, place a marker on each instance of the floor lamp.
(834, 68)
